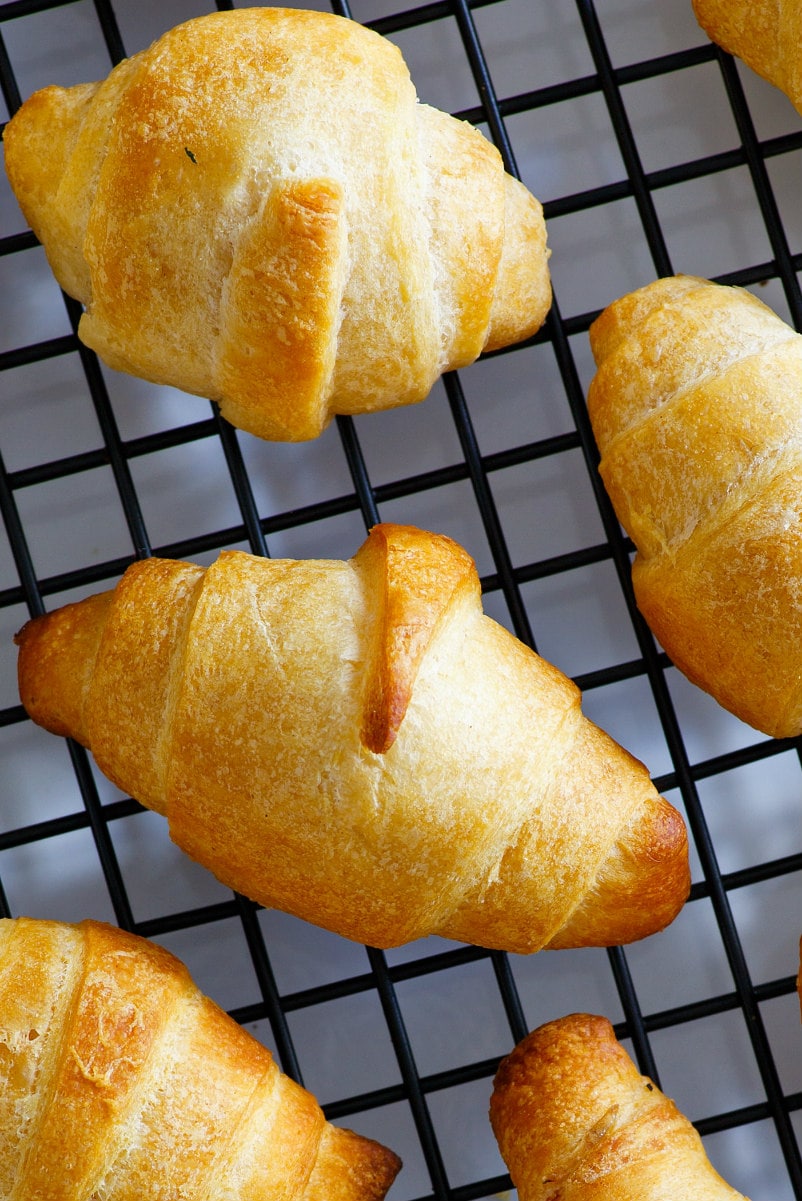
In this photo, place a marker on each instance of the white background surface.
(712, 226)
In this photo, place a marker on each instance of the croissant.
(356, 743)
(765, 34)
(575, 1120)
(697, 410)
(120, 1080)
(258, 210)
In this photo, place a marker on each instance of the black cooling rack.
(653, 152)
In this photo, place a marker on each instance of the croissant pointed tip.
(24, 632)
(56, 653)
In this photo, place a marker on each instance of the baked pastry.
(574, 1118)
(258, 210)
(697, 410)
(765, 34)
(119, 1080)
(358, 744)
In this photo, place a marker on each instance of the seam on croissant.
(160, 1066)
(721, 367)
(132, 67)
(62, 1002)
(473, 896)
(119, 1133)
(163, 750)
(755, 480)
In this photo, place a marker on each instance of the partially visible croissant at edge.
(120, 1080)
(357, 743)
(258, 210)
(765, 34)
(574, 1118)
(697, 410)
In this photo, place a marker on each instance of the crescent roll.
(697, 410)
(258, 210)
(576, 1121)
(357, 743)
(119, 1080)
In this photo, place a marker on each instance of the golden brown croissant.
(765, 34)
(120, 1080)
(576, 1120)
(358, 744)
(258, 210)
(697, 410)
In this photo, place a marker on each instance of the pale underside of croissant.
(576, 1121)
(765, 34)
(120, 1081)
(258, 210)
(357, 743)
(697, 411)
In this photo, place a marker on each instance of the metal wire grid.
(27, 589)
